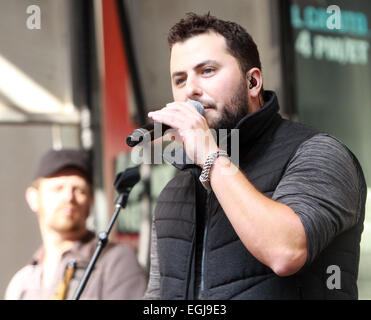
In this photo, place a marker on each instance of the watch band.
(204, 177)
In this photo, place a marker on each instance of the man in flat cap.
(61, 196)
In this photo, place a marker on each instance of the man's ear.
(32, 197)
(254, 81)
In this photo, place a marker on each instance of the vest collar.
(250, 128)
(253, 125)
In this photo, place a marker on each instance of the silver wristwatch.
(204, 177)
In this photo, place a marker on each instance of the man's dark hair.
(239, 43)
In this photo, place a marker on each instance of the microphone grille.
(198, 106)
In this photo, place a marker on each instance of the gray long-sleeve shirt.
(322, 186)
(116, 275)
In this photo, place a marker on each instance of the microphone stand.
(124, 182)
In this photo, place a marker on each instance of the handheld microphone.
(137, 135)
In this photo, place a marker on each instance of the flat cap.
(56, 160)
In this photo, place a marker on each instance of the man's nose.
(193, 88)
(69, 194)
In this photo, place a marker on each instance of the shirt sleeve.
(322, 186)
(124, 278)
(153, 288)
(16, 286)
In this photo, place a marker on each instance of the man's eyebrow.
(199, 65)
(206, 62)
(178, 73)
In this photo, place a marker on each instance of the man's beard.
(235, 110)
(61, 223)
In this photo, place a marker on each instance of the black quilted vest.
(228, 270)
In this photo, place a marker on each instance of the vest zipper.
(189, 275)
(203, 259)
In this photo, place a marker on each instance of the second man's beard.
(235, 110)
